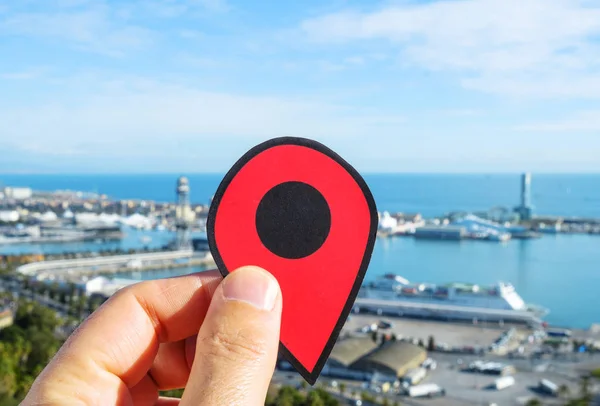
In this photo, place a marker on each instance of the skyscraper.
(183, 214)
(525, 209)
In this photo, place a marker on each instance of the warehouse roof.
(394, 357)
(348, 350)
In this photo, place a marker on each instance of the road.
(14, 287)
(102, 264)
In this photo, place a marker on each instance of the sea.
(559, 272)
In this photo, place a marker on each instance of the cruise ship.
(395, 296)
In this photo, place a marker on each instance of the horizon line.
(184, 173)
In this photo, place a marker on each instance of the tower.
(526, 190)
(183, 214)
(524, 209)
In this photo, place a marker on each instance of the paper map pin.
(295, 208)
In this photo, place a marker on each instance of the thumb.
(237, 344)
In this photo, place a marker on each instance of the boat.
(394, 295)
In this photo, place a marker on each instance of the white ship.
(394, 295)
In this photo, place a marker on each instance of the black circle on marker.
(293, 220)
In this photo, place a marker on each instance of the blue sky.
(190, 85)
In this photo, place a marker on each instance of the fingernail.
(251, 285)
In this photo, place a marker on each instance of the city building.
(6, 318)
(349, 350)
(9, 216)
(200, 243)
(101, 285)
(525, 210)
(393, 359)
(441, 232)
(346, 352)
(17, 193)
(184, 216)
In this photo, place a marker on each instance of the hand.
(217, 338)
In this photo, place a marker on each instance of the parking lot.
(450, 334)
(473, 388)
(468, 388)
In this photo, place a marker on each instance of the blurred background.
(474, 122)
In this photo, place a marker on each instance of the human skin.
(217, 338)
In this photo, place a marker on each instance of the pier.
(443, 312)
(79, 267)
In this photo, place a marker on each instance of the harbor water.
(560, 272)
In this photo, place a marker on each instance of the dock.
(443, 312)
(68, 269)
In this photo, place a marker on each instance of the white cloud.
(141, 116)
(197, 61)
(100, 26)
(563, 85)
(93, 29)
(355, 60)
(213, 5)
(517, 42)
(191, 34)
(20, 75)
(461, 112)
(171, 8)
(580, 122)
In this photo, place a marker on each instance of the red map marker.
(295, 208)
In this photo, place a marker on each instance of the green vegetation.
(366, 396)
(563, 391)
(37, 333)
(174, 393)
(25, 349)
(288, 396)
(431, 344)
(585, 397)
(554, 342)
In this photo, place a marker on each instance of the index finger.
(122, 337)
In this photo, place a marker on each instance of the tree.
(533, 402)
(367, 397)
(40, 288)
(342, 387)
(563, 391)
(288, 396)
(80, 305)
(25, 348)
(431, 344)
(94, 302)
(585, 385)
(72, 289)
(586, 396)
(328, 399)
(54, 290)
(173, 393)
(313, 399)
